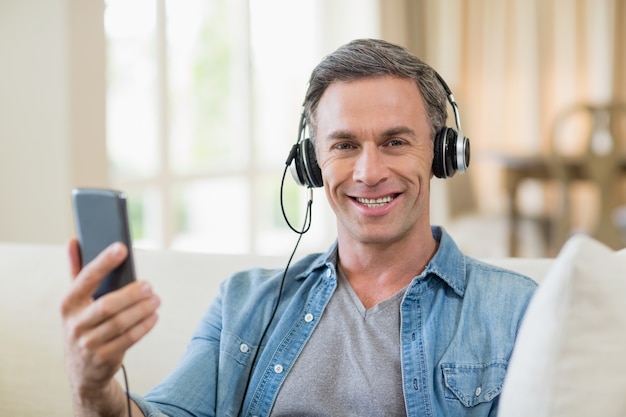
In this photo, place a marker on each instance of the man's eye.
(395, 142)
(343, 146)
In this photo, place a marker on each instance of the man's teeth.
(374, 202)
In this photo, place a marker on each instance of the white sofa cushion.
(570, 356)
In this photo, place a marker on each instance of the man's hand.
(98, 332)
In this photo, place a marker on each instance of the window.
(203, 102)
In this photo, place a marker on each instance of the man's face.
(375, 151)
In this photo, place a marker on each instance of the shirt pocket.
(473, 384)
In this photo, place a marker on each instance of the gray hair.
(364, 58)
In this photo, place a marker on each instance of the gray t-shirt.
(351, 364)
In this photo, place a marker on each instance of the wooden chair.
(588, 144)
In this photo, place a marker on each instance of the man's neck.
(378, 271)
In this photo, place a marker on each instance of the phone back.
(101, 219)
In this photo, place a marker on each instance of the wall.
(51, 113)
(52, 108)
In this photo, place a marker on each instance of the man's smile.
(376, 202)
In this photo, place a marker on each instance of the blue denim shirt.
(459, 321)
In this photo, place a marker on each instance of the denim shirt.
(459, 321)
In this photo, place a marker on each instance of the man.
(393, 320)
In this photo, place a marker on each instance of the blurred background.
(191, 107)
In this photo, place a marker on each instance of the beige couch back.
(34, 277)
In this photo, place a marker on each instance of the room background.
(512, 65)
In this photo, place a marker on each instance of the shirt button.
(244, 348)
(479, 390)
(328, 273)
(308, 317)
(278, 369)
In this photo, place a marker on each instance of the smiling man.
(375, 152)
(393, 320)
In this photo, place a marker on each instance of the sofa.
(34, 277)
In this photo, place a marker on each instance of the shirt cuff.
(148, 409)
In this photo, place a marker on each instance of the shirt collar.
(312, 262)
(448, 263)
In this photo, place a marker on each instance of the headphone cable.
(305, 228)
(308, 215)
(127, 391)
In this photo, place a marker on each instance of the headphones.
(451, 150)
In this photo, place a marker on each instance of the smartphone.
(101, 218)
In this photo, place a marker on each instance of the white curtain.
(512, 65)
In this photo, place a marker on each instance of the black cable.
(305, 228)
(308, 215)
(127, 391)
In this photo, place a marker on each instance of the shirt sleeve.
(147, 409)
(191, 388)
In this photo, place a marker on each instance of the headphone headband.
(451, 150)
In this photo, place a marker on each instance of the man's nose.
(370, 167)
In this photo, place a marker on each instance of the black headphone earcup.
(304, 168)
(296, 167)
(312, 169)
(439, 154)
(451, 153)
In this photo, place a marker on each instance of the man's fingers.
(116, 313)
(87, 280)
(98, 332)
(73, 252)
(117, 346)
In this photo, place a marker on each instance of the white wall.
(52, 107)
(336, 27)
(51, 113)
